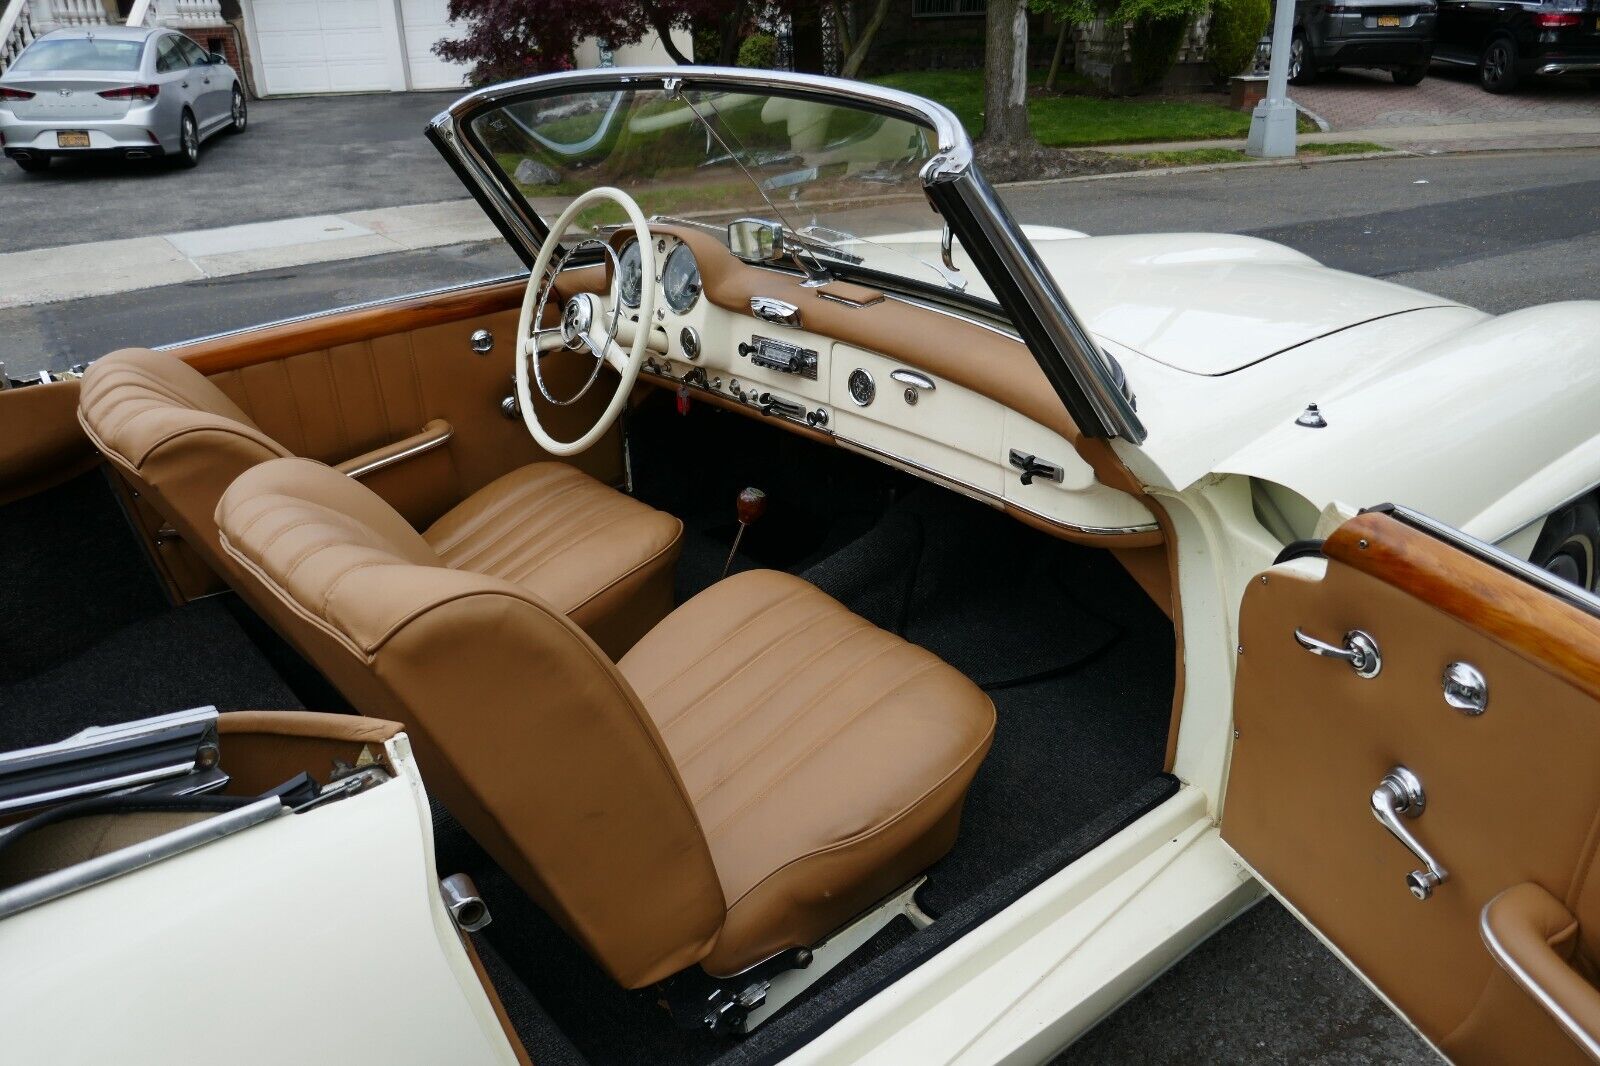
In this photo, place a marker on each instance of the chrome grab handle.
(1400, 793)
(1359, 650)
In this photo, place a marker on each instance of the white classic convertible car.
(806, 617)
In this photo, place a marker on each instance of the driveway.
(1448, 96)
(303, 156)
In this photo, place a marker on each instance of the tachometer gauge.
(680, 281)
(630, 280)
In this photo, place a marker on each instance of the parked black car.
(1394, 35)
(1508, 40)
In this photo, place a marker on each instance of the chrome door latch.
(1466, 689)
(1400, 793)
(1359, 650)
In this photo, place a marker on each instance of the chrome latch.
(482, 341)
(1034, 467)
(1359, 650)
(461, 899)
(1400, 793)
(1466, 689)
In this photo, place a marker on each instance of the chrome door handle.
(1400, 793)
(1359, 650)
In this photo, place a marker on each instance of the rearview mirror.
(216, 59)
(756, 240)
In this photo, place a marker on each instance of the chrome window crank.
(1400, 792)
(1359, 650)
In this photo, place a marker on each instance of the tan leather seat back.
(175, 435)
(522, 726)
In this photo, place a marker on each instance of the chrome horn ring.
(577, 328)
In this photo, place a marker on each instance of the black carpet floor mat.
(88, 638)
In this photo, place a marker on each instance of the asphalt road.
(1498, 231)
(307, 156)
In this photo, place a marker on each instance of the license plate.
(72, 139)
(1388, 20)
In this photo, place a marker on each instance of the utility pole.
(1272, 123)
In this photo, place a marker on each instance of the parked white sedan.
(121, 91)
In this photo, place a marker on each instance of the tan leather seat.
(600, 556)
(763, 766)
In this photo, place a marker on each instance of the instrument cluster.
(680, 276)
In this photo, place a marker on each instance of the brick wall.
(220, 38)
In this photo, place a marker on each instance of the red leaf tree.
(508, 39)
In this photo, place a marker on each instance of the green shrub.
(1236, 27)
(707, 45)
(1153, 45)
(759, 50)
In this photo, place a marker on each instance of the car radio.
(781, 356)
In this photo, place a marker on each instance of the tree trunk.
(1055, 60)
(1005, 74)
(805, 27)
(663, 27)
(732, 27)
(863, 43)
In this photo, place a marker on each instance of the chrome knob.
(511, 408)
(482, 341)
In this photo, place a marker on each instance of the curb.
(1202, 168)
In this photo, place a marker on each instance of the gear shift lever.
(751, 506)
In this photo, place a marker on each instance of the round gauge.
(680, 280)
(630, 279)
(862, 388)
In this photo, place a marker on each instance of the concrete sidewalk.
(48, 275)
(1572, 132)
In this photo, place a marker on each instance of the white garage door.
(426, 23)
(322, 46)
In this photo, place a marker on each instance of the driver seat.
(602, 558)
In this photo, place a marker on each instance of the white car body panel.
(309, 938)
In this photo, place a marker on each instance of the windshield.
(80, 53)
(844, 180)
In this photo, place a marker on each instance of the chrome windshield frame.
(956, 189)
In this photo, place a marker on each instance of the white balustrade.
(17, 30)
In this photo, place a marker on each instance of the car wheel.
(1411, 75)
(239, 110)
(188, 142)
(1497, 69)
(1569, 544)
(33, 164)
(1302, 71)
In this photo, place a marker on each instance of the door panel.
(1511, 796)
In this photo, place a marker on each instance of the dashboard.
(759, 340)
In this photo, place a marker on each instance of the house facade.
(299, 47)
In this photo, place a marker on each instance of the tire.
(33, 165)
(1497, 67)
(1410, 75)
(1569, 543)
(188, 156)
(1302, 66)
(240, 110)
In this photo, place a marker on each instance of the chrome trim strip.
(997, 330)
(1568, 1023)
(1543, 579)
(426, 444)
(92, 872)
(1569, 68)
(364, 305)
(913, 467)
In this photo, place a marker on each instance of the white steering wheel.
(585, 326)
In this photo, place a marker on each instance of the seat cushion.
(602, 558)
(826, 758)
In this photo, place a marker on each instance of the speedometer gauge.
(680, 281)
(630, 279)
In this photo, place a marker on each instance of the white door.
(322, 46)
(426, 23)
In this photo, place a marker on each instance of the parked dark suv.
(1394, 35)
(1508, 40)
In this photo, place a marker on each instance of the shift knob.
(752, 505)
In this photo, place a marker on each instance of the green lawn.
(1063, 121)
(1189, 157)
